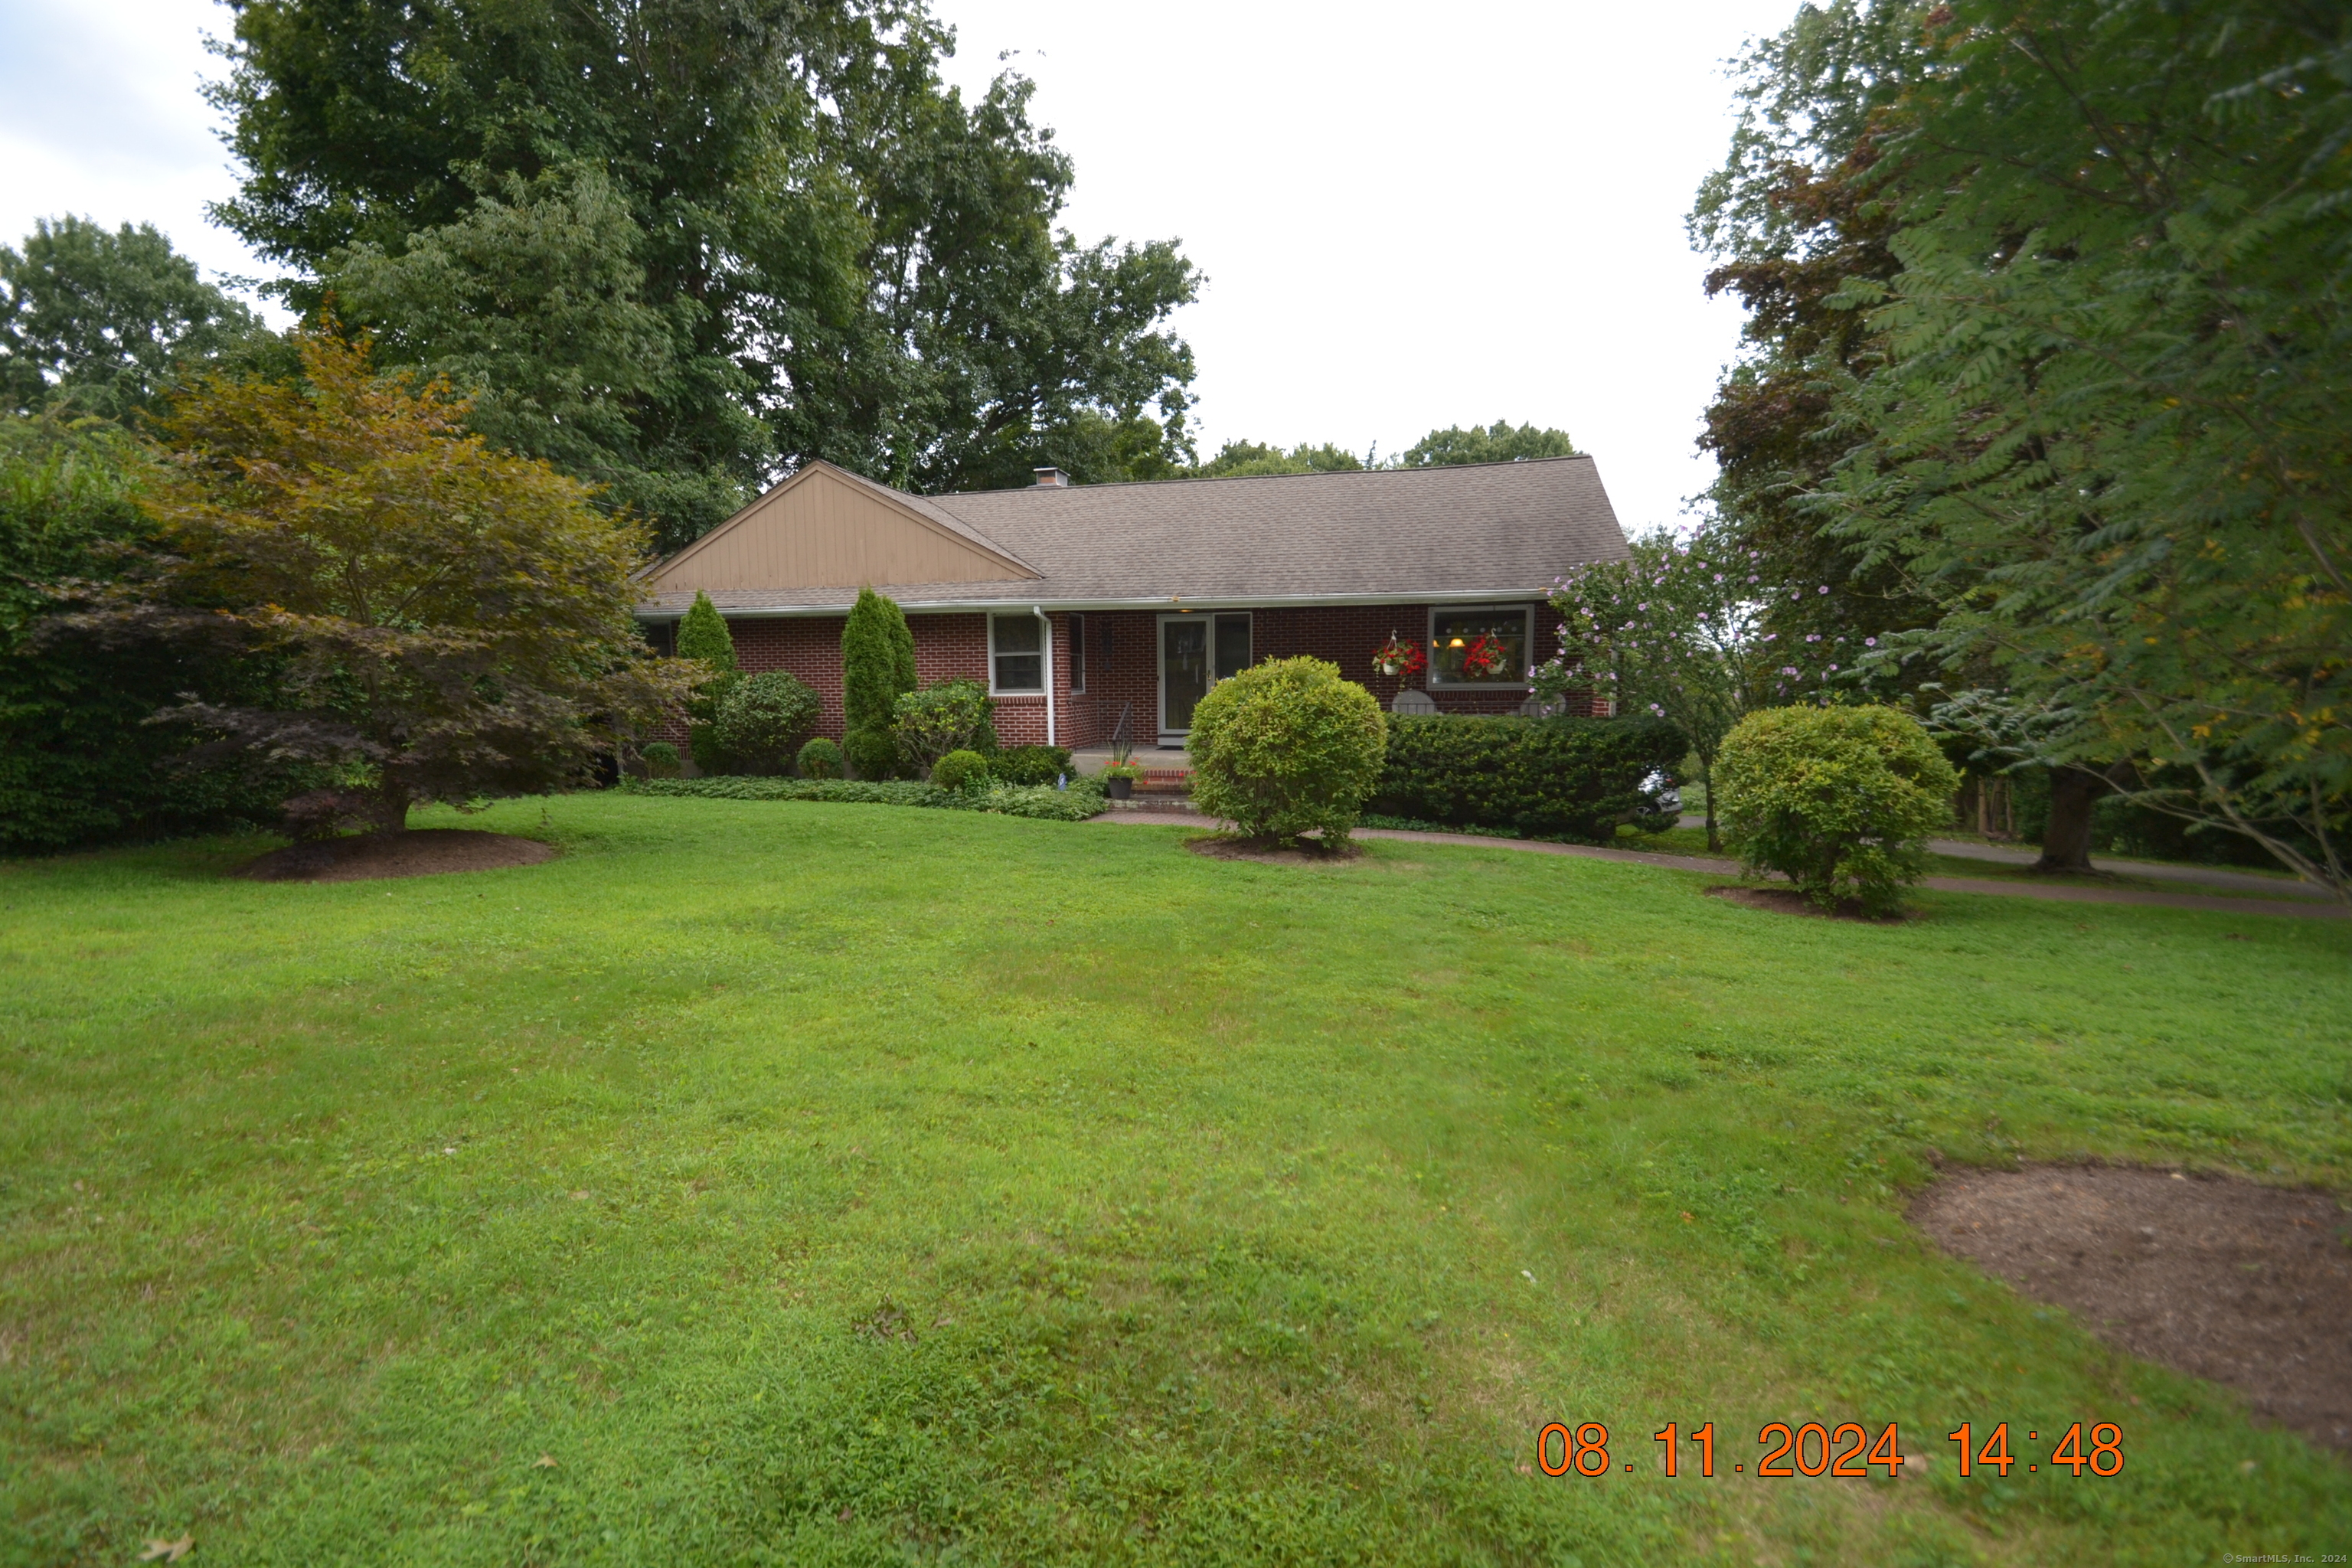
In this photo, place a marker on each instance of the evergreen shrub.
(1286, 747)
(761, 723)
(1839, 800)
(877, 668)
(960, 770)
(661, 760)
(1031, 765)
(1551, 777)
(819, 759)
(703, 635)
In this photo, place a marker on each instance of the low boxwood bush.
(762, 720)
(661, 760)
(1286, 747)
(1082, 799)
(1030, 765)
(819, 759)
(1576, 777)
(960, 769)
(1839, 800)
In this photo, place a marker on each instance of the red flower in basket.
(1394, 658)
(1484, 657)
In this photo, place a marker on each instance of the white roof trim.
(1176, 602)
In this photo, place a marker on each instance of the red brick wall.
(1122, 663)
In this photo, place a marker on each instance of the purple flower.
(1870, 642)
(1825, 587)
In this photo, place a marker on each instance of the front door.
(1195, 653)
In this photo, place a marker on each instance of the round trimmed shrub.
(819, 759)
(762, 721)
(960, 771)
(1839, 800)
(1286, 747)
(662, 761)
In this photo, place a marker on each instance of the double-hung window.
(1481, 644)
(1077, 653)
(1016, 653)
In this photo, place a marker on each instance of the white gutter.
(1256, 602)
(1046, 642)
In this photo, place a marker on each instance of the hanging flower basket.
(1399, 658)
(1485, 658)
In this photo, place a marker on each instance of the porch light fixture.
(1456, 643)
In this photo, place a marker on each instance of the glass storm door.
(1184, 670)
(1195, 653)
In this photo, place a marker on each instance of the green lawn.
(821, 1184)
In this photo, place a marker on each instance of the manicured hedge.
(1575, 776)
(1083, 799)
(1030, 765)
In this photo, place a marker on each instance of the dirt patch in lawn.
(1789, 901)
(1310, 851)
(2246, 1285)
(419, 852)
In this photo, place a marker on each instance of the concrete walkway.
(1708, 866)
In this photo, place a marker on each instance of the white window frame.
(1527, 614)
(1043, 655)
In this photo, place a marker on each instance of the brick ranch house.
(1081, 604)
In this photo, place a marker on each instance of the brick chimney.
(1049, 478)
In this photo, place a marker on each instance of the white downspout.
(1046, 642)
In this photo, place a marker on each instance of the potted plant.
(1399, 658)
(1121, 772)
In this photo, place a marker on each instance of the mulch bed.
(419, 852)
(2245, 1285)
(1309, 851)
(1789, 901)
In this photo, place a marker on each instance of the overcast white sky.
(1410, 217)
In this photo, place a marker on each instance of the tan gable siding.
(823, 528)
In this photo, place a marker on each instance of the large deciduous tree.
(2111, 432)
(1237, 459)
(677, 246)
(441, 621)
(2052, 342)
(1801, 207)
(1501, 442)
(99, 321)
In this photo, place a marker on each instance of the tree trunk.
(2066, 840)
(388, 810)
(1707, 782)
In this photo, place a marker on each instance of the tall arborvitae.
(877, 665)
(702, 634)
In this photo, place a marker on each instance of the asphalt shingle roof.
(1477, 530)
